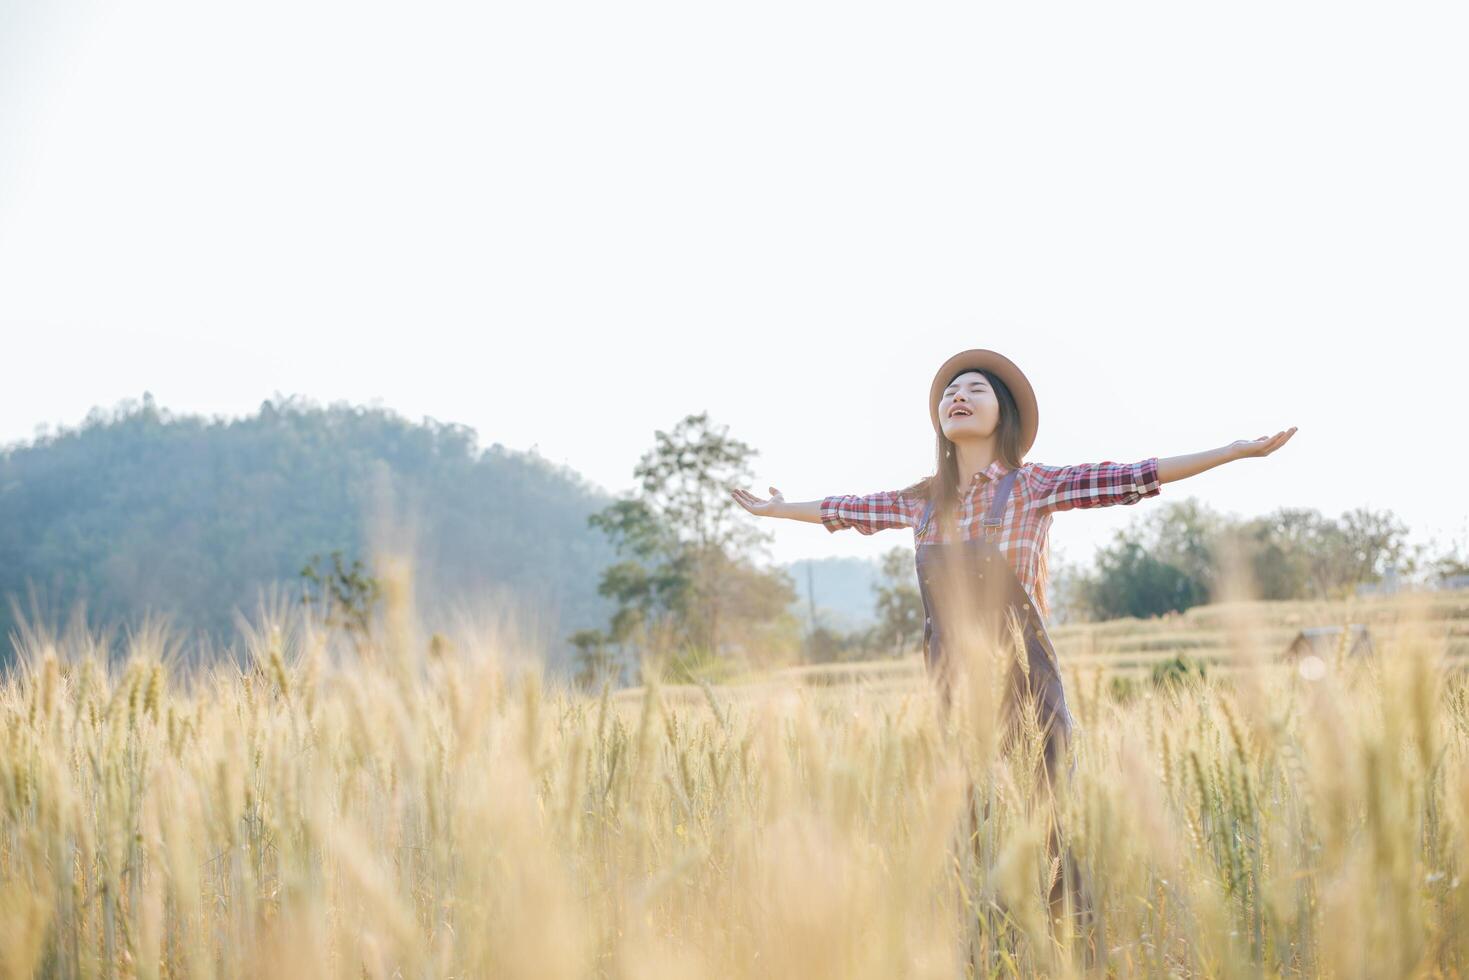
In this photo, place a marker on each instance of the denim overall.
(971, 596)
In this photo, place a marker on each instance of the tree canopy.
(686, 585)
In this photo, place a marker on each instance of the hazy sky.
(567, 225)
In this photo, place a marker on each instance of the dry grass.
(420, 814)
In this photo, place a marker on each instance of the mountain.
(842, 589)
(139, 510)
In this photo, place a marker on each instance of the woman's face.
(969, 408)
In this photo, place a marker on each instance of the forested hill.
(139, 509)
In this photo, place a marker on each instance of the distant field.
(1133, 646)
(1204, 632)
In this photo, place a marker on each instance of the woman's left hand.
(1263, 446)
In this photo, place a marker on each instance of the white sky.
(567, 225)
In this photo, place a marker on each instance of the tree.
(1374, 542)
(686, 477)
(594, 661)
(1305, 549)
(1297, 553)
(344, 596)
(899, 603)
(1184, 534)
(757, 621)
(1065, 590)
(1131, 582)
(825, 645)
(686, 552)
(685, 481)
(1449, 563)
(649, 586)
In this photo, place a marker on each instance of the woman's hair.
(943, 486)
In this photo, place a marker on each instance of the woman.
(981, 525)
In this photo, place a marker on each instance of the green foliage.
(139, 510)
(1131, 582)
(696, 665)
(1184, 534)
(1297, 553)
(344, 596)
(899, 603)
(595, 661)
(1123, 688)
(685, 480)
(1452, 563)
(634, 526)
(824, 645)
(1173, 558)
(1178, 671)
(687, 572)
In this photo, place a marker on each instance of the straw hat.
(1004, 369)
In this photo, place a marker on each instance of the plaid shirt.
(1039, 491)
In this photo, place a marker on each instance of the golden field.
(425, 808)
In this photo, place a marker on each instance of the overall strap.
(994, 517)
(927, 516)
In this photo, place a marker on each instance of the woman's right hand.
(758, 507)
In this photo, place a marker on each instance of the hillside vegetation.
(140, 511)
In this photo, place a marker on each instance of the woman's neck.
(975, 456)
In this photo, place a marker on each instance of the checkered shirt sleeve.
(1086, 485)
(871, 512)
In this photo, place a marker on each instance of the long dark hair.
(943, 486)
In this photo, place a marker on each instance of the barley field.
(432, 807)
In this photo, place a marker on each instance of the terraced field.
(1216, 636)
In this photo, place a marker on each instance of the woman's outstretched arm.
(1172, 468)
(778, 506)
(868, 513)
(1107, 484)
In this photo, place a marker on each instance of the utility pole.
(811, 604)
